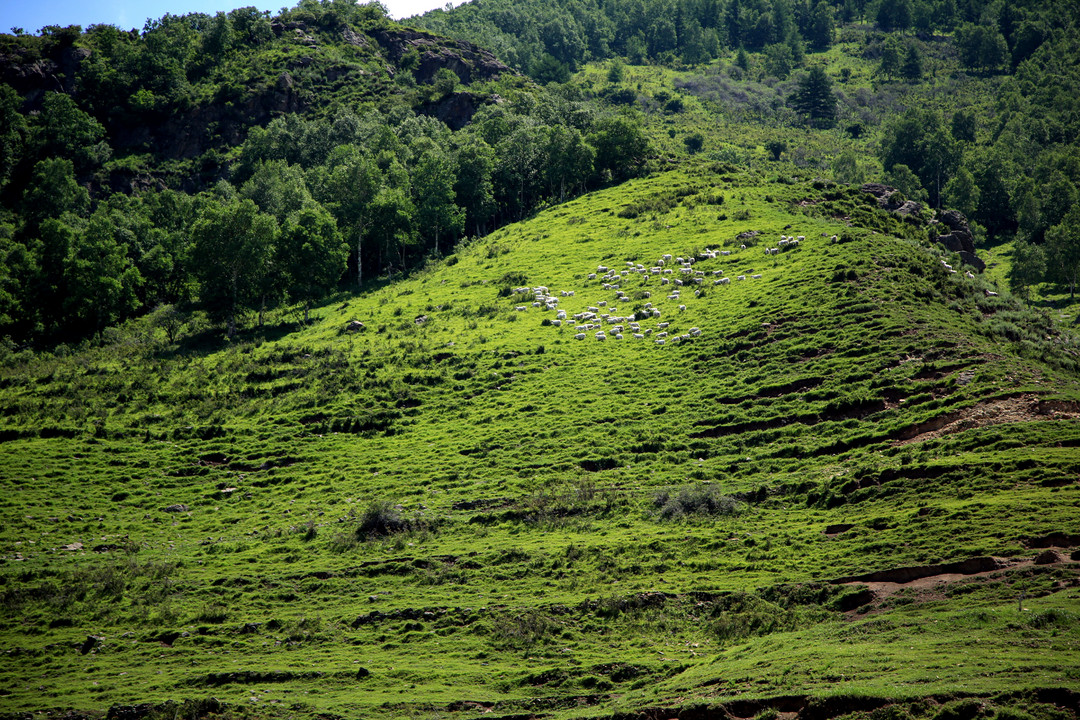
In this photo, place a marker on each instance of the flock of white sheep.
(605, 319)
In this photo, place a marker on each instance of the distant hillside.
(834, 480)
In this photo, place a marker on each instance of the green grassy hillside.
(854, 490)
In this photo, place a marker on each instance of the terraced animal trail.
(456, 508)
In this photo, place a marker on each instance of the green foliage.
(311, 253)
(962, 192)
(907, 182)
(912, 67)
(694, 500)
(694, 142)
(814, 98)
(1028, 267)
(232, 244)
(1063, 250)
(981, 47)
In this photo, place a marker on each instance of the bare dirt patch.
(1020, 408)
(930, 580)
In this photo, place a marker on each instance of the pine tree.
(814, 98)
(912, 69)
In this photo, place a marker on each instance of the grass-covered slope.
(828, 501)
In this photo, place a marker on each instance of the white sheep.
(579, 336)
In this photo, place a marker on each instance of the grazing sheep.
(740, 277)
(556, 323)
(520, 308)
(756, 277)
(682, 307)
(579, 336)
(639, 336)
(662, 325)
(725, 252)
(618, 336)
(660, 341)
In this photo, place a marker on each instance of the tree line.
(551, 38)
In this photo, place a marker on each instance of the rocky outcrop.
(470, 62)
(457, 109)
(959, 239)
(891, 199)
(32, 78)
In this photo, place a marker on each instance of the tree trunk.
(359, 264)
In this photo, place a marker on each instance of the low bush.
(700, 499)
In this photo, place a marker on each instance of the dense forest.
(235, 162)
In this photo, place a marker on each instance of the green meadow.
(852, 489)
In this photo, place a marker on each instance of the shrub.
(381, 518)
(700, 499)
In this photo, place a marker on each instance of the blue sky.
(31, 15)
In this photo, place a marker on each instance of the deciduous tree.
(232, 248)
